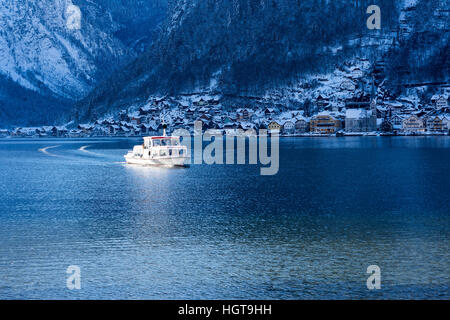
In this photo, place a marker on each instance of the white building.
(439, 101)
(446, 123)
(442, 102)
(289, 127)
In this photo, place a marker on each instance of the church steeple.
(373, 94)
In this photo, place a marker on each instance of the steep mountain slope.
(62, 48)
(421, 52)
(25, 107)
(244, 47)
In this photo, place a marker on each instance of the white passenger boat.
(159, 151)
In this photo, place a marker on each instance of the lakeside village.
(347, 102)
(360, 117)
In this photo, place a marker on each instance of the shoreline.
(280, 136)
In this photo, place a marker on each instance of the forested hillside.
(247, 47)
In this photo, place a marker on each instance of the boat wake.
(74, 154)
(83, 149)
(45, 151)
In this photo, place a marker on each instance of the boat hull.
(163, 161)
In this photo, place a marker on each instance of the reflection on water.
(335, 207)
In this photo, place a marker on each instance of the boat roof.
(158, 138)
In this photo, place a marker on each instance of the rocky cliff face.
(62, 48)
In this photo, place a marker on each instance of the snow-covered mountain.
(62, 48)
(111, 54)
(248, 48)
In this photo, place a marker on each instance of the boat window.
(156, 143)
(163, 153)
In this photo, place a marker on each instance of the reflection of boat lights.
(149, 184)
(145, 172)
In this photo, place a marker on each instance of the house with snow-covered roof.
(446, 123)
(435, 123)
(203, 110)
(301, 124)
(201, 102)
(288, 126)
(99, 131)
(269, 112)
(325, 123)
(322, 101)
(59, 131)
(246, 125)
(113, 129)
(440, 101)
(216, 111)
(356, 73)
(123, 130)
(75, 133)
(86, 128)
(190, 113)
(205, 117)
(274, 126)
(244, 114)
(413, 124)
(135, 119)
(4, 133)
(230, 125)
(394, 105)
(126, 124)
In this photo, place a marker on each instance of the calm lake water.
(226, 232)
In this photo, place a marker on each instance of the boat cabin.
(161, 150)
(150, 142)
(155, 147)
